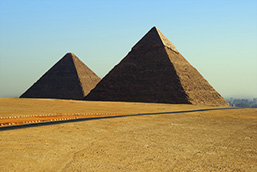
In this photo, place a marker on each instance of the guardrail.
(41, 118)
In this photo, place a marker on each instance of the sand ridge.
(14, 107)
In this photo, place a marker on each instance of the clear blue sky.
(218, 37)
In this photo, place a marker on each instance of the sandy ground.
(213, 140)
(20, 107)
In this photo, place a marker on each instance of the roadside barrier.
(41, 118)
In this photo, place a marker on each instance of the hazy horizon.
(218, 38)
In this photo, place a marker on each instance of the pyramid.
(154, 71)
(69, 78)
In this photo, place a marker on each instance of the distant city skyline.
(219, 38)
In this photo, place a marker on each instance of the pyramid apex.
(154, 38)
(154, 28)
(70, 54)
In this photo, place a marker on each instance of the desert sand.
(185, 139)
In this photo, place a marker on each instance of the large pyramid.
(69, 78)
(154, 71)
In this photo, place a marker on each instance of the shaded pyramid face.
(154, 71)
(69, 78)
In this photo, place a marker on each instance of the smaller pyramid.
(69, 78)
